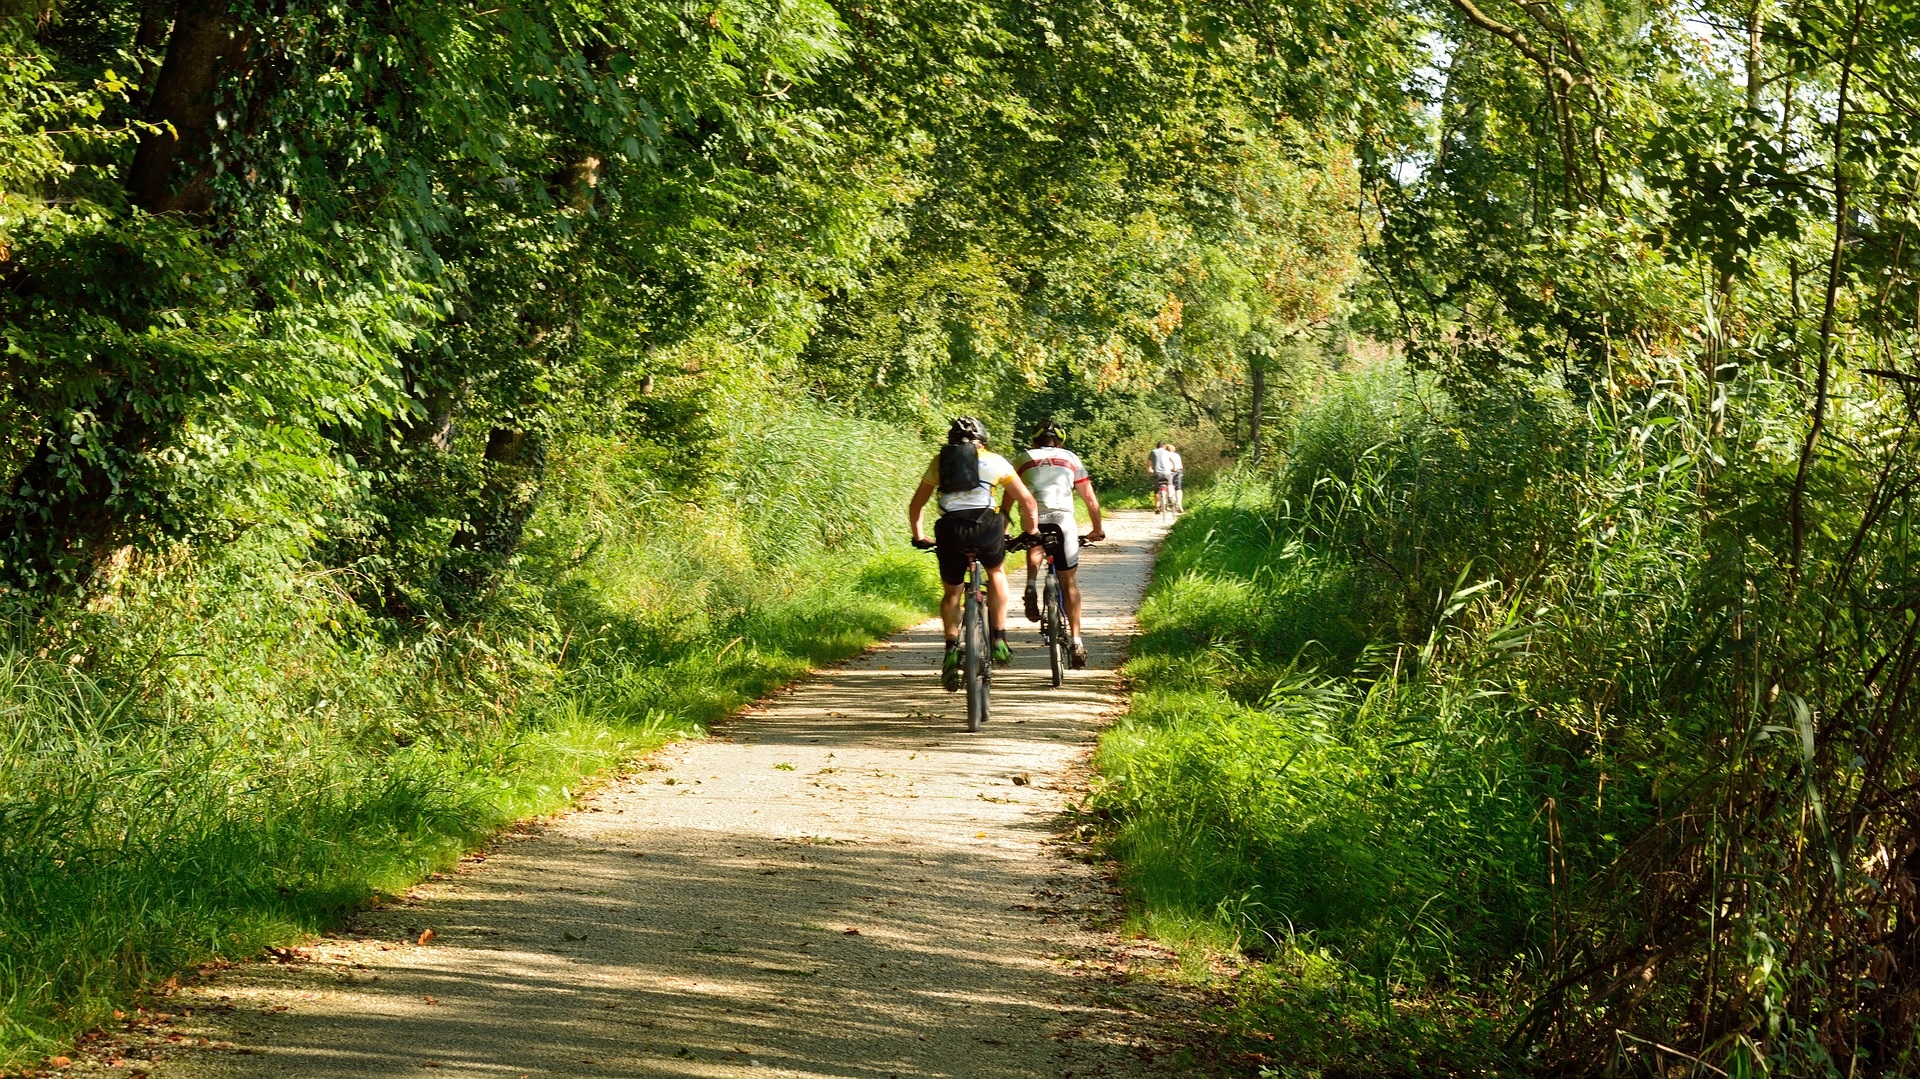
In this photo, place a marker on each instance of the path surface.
(844, 883)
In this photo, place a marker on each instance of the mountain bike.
(1055, 628)
(1163, 497)
(976, 648)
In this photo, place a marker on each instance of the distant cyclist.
(1162, 462)
(966, 476)
(1055, 474)
(1179, 479)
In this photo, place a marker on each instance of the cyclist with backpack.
(966, 476)
(1055, 475)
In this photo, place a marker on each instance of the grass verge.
(1253, 807)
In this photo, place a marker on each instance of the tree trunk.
(59, 519)
(515, 464)
(1259, 405)
(171, 172)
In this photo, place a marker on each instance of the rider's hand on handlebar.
(923, 543)
(1096, 535)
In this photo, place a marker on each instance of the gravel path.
(842, 883)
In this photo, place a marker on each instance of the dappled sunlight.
(843, 882)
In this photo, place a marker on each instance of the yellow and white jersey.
(1051, 474)
(994, 474)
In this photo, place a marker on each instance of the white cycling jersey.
(1051, 474)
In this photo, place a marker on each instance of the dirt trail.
(844, 883)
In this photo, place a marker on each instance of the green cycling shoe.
(950, 669)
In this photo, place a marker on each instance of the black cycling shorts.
(981, 531)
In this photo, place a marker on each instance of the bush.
(1486, 692)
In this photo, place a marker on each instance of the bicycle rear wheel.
(978, 660)
(1056, 624)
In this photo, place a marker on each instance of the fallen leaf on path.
(426, 935)
(433, 1063)
(979, 835)
(1022, 779)
(59, 1062)
(852, 931)
(430, 1000)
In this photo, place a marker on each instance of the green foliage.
(1450, 716)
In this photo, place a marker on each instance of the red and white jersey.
(1051, 474)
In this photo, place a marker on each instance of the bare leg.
(997, 598)
(1070, 588)
(1034, 555)
(950, 610)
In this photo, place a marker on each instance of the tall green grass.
(1278, 790)
(1340, 759)
(229, 753)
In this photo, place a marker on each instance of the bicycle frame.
(1055, 627)
(976, 642)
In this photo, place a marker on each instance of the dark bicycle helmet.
(1047, 434)
(967, 429)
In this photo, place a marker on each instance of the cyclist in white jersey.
(1055, 475)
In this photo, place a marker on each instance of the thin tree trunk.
(1797, 504)
(1259, 405)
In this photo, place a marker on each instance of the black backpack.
(959, 467)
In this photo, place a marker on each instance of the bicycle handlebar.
(1033, 539)
(1014, 543)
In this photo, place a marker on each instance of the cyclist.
(1179, 479)
(1161, 463)
(966, 475)
(1055, 474)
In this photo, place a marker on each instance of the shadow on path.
(843, 883)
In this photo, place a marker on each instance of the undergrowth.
(1499, 731)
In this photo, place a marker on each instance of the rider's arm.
(917, 509)
(1029, 512)
(1097, 531)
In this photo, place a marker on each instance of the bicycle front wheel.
(979, 658)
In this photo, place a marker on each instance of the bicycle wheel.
(978, 659)
(1056, 624)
